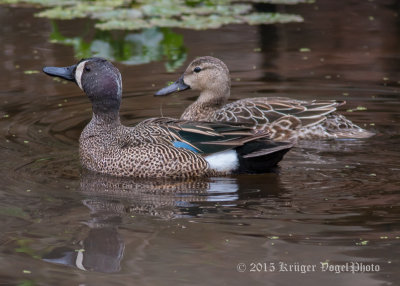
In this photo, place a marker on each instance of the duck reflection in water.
(102, 249)
(111, 200)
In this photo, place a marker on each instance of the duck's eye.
(197, 69)
(87, 68)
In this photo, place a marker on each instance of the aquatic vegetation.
(358, 108)
(142, 14)
(305, 50)
(24, 246)
(150, 38)
(31, 72)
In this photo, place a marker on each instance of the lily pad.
(287, 2)
(140, 18)
(142, 14)
(270, 18)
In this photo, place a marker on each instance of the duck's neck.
(214, 98)
(110, 119)
(207, 104)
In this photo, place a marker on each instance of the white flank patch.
(223, 161)
(79, 261)
(78, 73)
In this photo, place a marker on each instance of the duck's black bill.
(179, 85)
(67, 73)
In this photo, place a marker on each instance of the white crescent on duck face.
(284, 118)
(79, 72)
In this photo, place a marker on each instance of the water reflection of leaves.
(13, 211)
(27, 283)
(24, 246)
(153, 44)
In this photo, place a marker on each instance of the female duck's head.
(207, 74)
(98, 78)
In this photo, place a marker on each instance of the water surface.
(331, 202)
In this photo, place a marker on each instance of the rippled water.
(330, 201)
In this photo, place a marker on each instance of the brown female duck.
(283, 118)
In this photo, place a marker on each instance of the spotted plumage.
(283, 118)
(160, 147)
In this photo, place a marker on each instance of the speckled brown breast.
(141, 151)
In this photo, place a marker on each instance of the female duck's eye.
(197, 69)
(87, 69)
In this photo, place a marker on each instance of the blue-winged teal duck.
(160, 147)
(284, 118)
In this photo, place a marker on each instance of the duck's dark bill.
(179, 85)
(64, 72)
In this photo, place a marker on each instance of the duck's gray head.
(207, 74)
(98, 78)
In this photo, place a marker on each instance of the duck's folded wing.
(261, 112)
(207, 137)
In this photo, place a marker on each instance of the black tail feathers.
(261, 156)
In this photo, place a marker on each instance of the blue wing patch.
(179, 144)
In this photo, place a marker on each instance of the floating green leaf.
(363, 243)
(31, 72)
(359, 108)
(287, 2)
(270, 18)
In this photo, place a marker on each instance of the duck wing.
(233, 147)
(213, 147)
(204, 137)
(262, 112)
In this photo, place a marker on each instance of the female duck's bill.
(161, 147)
(179, 85)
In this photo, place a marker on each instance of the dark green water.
(333, 202)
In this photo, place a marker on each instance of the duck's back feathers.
(206, 137)
(226, 148)
(290, 119)
(283, 117)
(263, 111)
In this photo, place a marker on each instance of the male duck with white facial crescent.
(160, 147)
